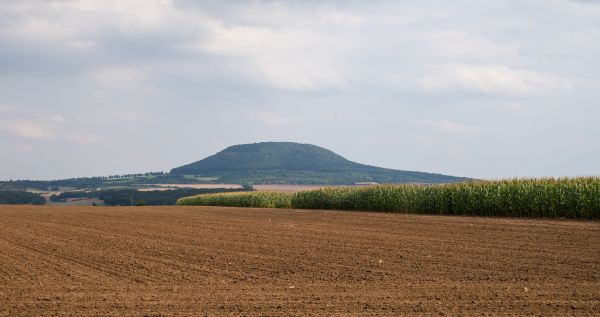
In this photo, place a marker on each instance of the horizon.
(262, 142)
(480, 90)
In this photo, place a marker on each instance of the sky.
(484, 89)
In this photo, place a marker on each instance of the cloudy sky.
(473, 88)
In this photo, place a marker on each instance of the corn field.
(576, 198)
(243, 199)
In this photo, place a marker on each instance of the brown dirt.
(113, 261)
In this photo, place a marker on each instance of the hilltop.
(257, 163)
(296, 163)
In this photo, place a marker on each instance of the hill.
(295, 163)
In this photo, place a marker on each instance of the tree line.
(20, 198)
(128, 197)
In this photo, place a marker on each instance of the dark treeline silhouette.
(126, 197)
(20, 198)
(61, 198)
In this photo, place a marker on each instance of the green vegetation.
(20, 198)
(102, 182)
(126, 197)
(577, 198)
(294, 163)
(200, 178)
(61, 198)
(249, 199)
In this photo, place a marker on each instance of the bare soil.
(163, 261)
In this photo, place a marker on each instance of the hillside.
(295, 163)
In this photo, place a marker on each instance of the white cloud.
(287, 59)
(491, 79)
(83, 44)
(266, 118)
(127, 15)
(56, 119)
(509, 105)
(344, 18)
(23, 148)
(28, 130)
(273, 119)
(118, 75)
(36, 29)
(7, 109)
(35, 127)
(84, 138)
(52, 127)
(448, 126)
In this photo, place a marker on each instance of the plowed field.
(113, 261)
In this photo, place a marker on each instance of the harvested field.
(114, 261)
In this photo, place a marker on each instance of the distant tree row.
(61, 198)
(20, 198)
(133, 175)
(80, 182)
(126, 197)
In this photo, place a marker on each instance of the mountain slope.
(295, 163)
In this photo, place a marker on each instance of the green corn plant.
(576, 198)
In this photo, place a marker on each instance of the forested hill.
(258, 163)
(295, 163)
